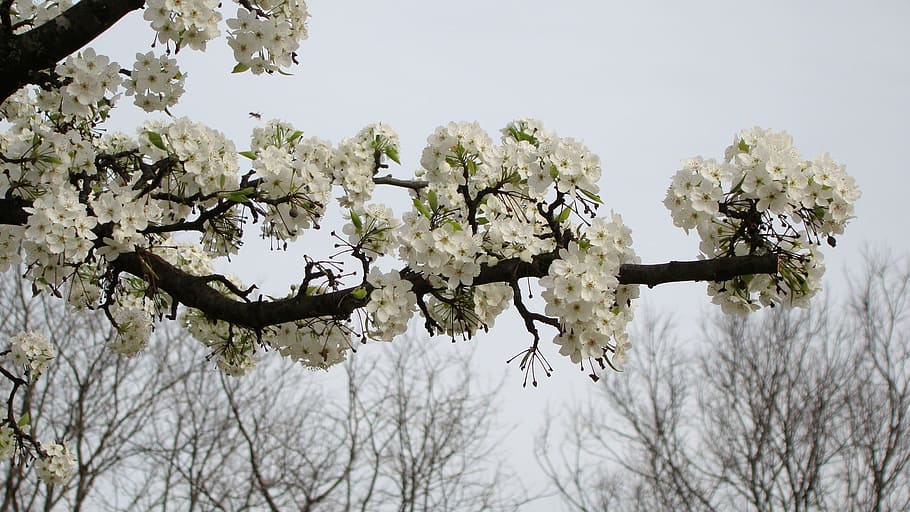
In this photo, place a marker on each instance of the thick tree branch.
(22, 56)
(718, 269)
(194, 291)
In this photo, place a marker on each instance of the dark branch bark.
(194, 291)
(23, 56)
(719, 269)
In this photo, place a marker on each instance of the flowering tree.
(130, 224)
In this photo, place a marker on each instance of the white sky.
(644, 84)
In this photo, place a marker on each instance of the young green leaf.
(156, 140)
(419, 206)
(392, 153)
(355, 219)
(359, 293)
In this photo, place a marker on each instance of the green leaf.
(554, 172)
(241, 196)
(456, 225)
(23, 421)
(563, 215)
(294, 136)
(249, 154)
(240, 68)
(156, 140)
(419, 206)
(237, 197)
(356, 220)
(592, 196)
(434, 200)
(359, 293)
(743, 146)
(392, 153)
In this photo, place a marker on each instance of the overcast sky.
(643, 84)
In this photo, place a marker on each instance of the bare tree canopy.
(407, 430)
(796, 410)
(135, 225)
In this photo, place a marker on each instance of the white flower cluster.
(392, 304)
(315, 343)
(10, 238)
(463, 311)
(56, 465)
(582, 290)
(7, 442)
(266, 40)
(764, 199)
(355, 162)
(92, 78)
(32, 352)
(302, 190)
(449, 250)
(234, 351)
(191, 23)
(26, 14)
(59, 225)
(156, 82)
(133, 313)
(374, 230)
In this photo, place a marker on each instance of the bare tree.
(795, 410)
(403, 429)
(95, 400)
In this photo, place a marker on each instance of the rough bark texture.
(194, 291)
(25, 54)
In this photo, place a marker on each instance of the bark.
(194, 291)
(24, 55)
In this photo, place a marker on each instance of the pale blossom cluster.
(8, 443)
(191, 23)
(450, 250)
(31, 351)
(392, 304)
(132, 314)
(764, 198)
(582, 290)
(91, 79)
(464, 311)
(208, 159)
(296, 190)
(266, 39)
(314, 343)
(233, 350)
(373, 231)
(155, 82)
(57, 464)
(355, 161)
(26, 14)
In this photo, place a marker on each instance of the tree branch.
(195, 292)
(23, 55)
